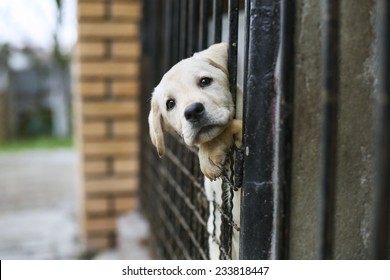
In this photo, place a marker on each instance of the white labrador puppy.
(193, 99)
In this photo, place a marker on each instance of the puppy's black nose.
(194, 112)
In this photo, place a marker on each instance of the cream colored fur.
(214, 134)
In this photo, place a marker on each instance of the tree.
(59, 97)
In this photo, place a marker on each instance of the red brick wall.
(107, 109)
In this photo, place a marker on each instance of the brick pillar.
(107, 110)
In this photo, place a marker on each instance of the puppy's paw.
(236, 128)
(211, 170)
(213, 154)
(212, 160)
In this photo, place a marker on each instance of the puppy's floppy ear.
(155, 128)
(216, 55)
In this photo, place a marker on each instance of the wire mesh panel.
(183, 218)
(172, 194)
(188, 218)
(175, 202)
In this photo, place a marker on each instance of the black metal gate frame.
(258, 213)
(263, 166)
(268, 98)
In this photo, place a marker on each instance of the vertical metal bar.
(246, 57)
(160, 30)
(183, 28)
(227, 189)
(204, 21)
(257, 201)
(168, 18)
(217, 37)
(330, 93)
(238, 168)
(150, 76)
(217, 20)
(144, 104)
(232, 69)
(381, 231)
(151, 28)
(193, 27)
(233, 45)
(176, 32)
(189, 19)
(285, 124)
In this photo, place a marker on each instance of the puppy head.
(193, 98)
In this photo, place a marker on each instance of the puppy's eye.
(205, 81)
(170, 104)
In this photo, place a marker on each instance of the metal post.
(285, 124)
(183, 28)
(176, 29)
(204, 20)
(193, 27)
(257, 206)
(169, 35)
(150, 77)
(233, 45)
(381, 231)
(330, 93)
(217, 20)
(227, 186)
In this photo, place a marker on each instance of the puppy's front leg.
(212, 154)
(236, 130)
(212, 157)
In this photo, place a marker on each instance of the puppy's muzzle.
(194, 112)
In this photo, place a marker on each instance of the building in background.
(36, 42)
(36, 95)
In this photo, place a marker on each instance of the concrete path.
(38, 205)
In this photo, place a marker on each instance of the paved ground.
(39, 206)
(38, 200)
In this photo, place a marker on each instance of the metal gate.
(172, 192)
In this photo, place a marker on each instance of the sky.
(32, 23)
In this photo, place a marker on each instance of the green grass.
(48, 143)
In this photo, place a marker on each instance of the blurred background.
(70, 114)
(69, 68)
